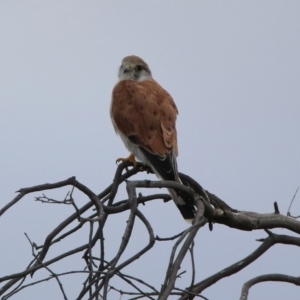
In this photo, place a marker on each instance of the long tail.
(166, 169)
(184, 204)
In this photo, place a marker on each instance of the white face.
(134, 72)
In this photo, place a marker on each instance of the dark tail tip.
(187, 211)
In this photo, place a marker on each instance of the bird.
(144, 115)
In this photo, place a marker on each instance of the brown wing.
(145, 110)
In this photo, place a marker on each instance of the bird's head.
(134, 68)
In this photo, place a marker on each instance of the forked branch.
(100, 269)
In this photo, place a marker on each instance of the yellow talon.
(130, 158)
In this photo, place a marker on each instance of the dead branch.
(267, 277)
(99, 271)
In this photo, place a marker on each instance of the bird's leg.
(130, 158)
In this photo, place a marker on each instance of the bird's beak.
(127, 68)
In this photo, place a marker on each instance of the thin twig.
(288, 212)
(191, 249)
(47, 268)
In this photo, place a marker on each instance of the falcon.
(144, 115)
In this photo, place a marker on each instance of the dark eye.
(139, 67)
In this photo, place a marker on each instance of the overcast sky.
(233, 69)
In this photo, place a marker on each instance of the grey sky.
(233, 69)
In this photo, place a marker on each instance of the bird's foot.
(130, 159)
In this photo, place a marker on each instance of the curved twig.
(271, 240)
(267, 277)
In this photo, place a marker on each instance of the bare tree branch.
(268, 277)
(99, 270)
(271, 240)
